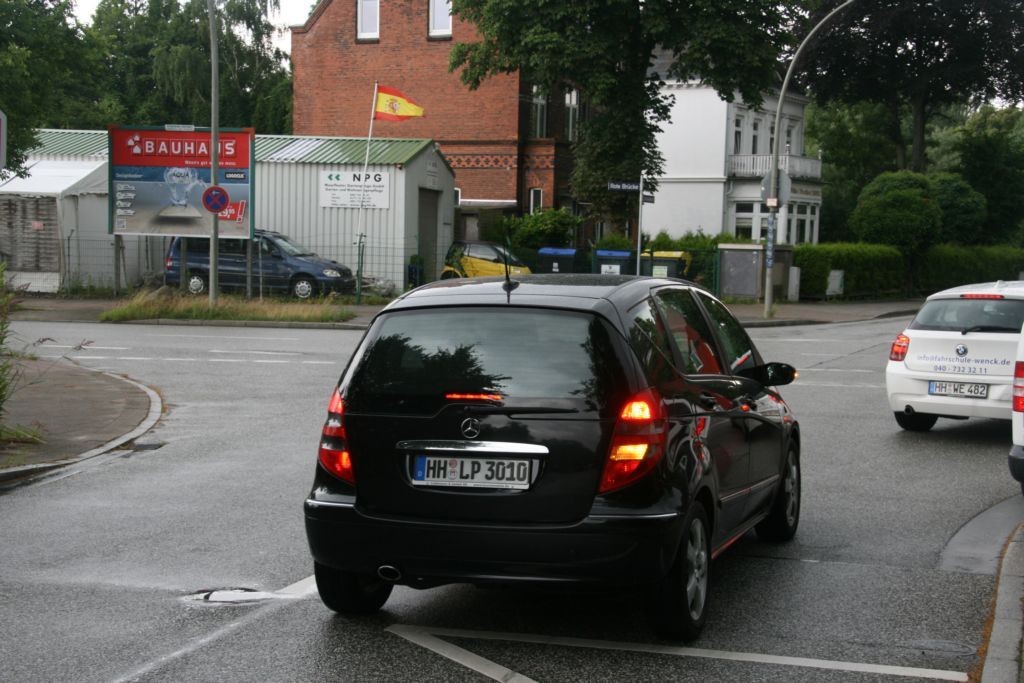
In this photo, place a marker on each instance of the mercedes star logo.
(470, 428)
(961, 350)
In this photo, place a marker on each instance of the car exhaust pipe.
(389, 573)
(908, 410)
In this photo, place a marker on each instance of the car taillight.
(982, 296)
(168, 263)
(334, 454)
(899, 347)
(638, 441)
(1018, 387)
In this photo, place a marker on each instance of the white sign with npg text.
(352, 189)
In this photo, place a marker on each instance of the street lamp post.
(773, 173)
(214, 144)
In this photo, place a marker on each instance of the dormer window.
(368, 20)
(440, 18)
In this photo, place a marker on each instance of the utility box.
(613, 262)
(794, 284)
(835, 283)
(555, 260)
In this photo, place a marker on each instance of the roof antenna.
(509, 283)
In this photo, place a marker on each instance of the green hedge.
(948, 265)
(870, 270)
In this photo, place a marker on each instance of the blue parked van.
(278, 265)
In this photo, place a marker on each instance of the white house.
(716, 154)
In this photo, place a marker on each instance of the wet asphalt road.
(98, 565)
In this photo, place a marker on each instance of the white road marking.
(416, 634)
(300, 589)
(217, 336)
(80, 347)
(132, 358)
(837, 370)
(89, 357)
(459, 655)
(318, 362)
(263, 353)
(835, 385)
(269, 361)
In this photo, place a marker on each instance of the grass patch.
(18, 434)
(145, 306)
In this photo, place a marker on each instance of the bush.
(946, 265)
(963, 209)
(547, 228)
(908, 219)
(616, 242)
(869, 269)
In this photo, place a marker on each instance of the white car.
(1016, 457)
(956, 358)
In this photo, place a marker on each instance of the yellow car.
(477, 259)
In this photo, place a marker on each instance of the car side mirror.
(771, 374)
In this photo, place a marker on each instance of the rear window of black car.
(531, 357)
(970, 315)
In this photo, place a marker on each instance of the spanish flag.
(394, 106)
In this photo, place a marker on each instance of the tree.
(963, 209)
(991, 152)
(854, 150)
(548, 228)
(921, 56)
(604, 49)
(898, 209)
(46, 71)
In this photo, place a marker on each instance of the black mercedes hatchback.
(569, 429)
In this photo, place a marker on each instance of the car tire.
(680, 599)
(196, 283)
(915, 422)
(303, 287)
(784, 516)
(348, 593)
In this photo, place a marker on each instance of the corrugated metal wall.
(287, 200)
(29, 238)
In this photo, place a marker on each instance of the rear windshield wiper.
(989, 328)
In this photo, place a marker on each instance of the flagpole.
(362, 192)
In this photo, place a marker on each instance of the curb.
(15, 476)
(1003, 661)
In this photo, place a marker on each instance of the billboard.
(158, 176)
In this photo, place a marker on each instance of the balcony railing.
(757, 166)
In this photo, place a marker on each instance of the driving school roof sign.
(158, 176)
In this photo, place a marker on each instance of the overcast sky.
(292, 12)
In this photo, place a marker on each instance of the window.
(440, 18)
(753, 136)
(458, 196)
(771, 136)
(789, 139)
(690, 331)
(744, 228)
(538, 114)
(572, 115)
(536, 199)
(737, 136)
(368, 20)
(649, 342)
(739, 350)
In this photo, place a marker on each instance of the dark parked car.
(278, 265)
(565, 429)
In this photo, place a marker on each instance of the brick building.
(509, 148)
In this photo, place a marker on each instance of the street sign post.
(3, 141)
(623, 186)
